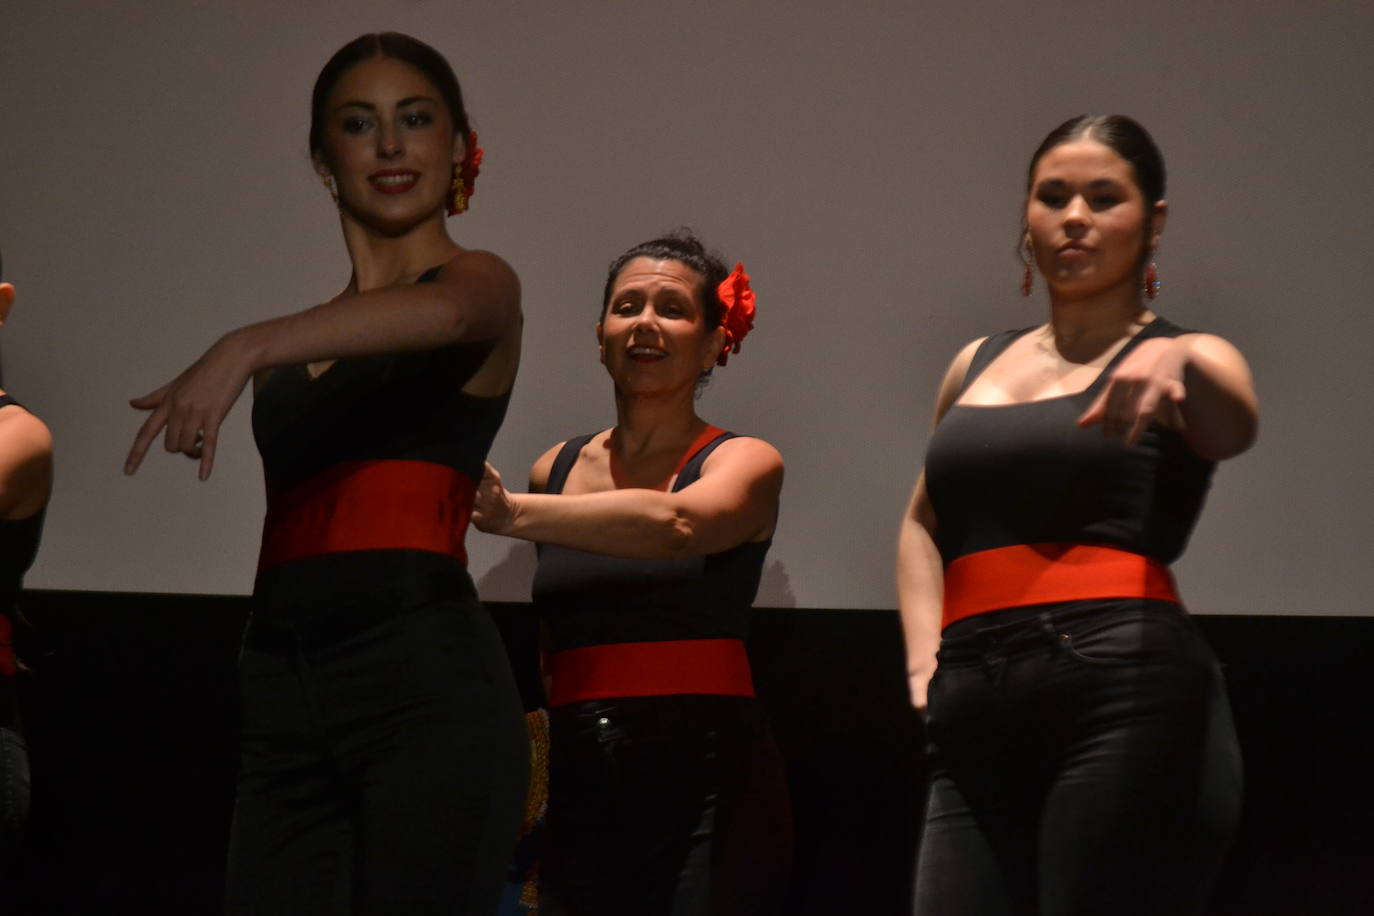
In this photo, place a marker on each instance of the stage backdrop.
(865, 160)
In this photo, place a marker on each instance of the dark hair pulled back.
(1123, 136)
(429, 62)
(683, 246)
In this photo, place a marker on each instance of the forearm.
(1220, 411)
(920, 594)
(633, 523)
(388, 320)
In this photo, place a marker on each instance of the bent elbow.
(678, 534)
(1230, 443)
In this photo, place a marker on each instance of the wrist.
(514, 515)
(245, 347)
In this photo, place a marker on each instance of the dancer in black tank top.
(383, 756)
(25, 480)
(1082, 754)
(666, 793)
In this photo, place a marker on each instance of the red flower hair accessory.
(736, 310)
(465, 175)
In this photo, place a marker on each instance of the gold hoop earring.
(331, 188)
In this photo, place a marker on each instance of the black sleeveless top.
(1026, 473)
(592, 599)
(18, 544)
(398, 418)
(18, 547)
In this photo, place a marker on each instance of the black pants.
(382, 773)
(1083, 761)
(665, 805)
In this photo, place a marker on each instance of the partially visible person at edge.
(25, 481)
(383, 757)
(1083, 758)
(666, 792)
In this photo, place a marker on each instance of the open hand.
(1151, 375)
(191, 408)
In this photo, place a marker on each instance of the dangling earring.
(465, 175)
(333, 191)
(1027, 258)
(1151, 281)
(457, 194)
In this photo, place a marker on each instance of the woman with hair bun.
(665, 790)
(1083, 758)
(383, 756)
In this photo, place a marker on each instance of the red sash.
(1024, 574)
(369, 505)
(645, 669)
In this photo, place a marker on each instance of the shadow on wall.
(775, 587)
(512, 576)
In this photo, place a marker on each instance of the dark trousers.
(382, 773)
(14, 803)
(665, 805)
(1083, 761)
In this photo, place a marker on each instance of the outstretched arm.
(735, 500)
(1199, 383)
(476, 297)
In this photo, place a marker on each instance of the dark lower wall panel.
(132, 732)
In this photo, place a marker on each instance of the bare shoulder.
(543, 467)
(25, 463)
(23, 437)
(744, 454)
(954, 377)
(1215, 347)
(483, 267)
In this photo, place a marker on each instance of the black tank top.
(18, 547)
(401, 417)
(18, 544)
(591, 599)
(1026, 473)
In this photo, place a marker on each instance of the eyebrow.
(1095, 183)
(409, 100)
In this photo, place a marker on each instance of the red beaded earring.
(1151, 281)
(465, 176)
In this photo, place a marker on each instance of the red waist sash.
(369, 505)
(1023, 574)
(646, 669)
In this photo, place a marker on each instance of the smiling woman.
(665, 788)
(382, 752)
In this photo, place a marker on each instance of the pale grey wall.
(864, 159)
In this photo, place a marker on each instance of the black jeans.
(1083, 761)
(381, 773)
(665, 805)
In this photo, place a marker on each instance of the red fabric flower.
(465, 175)
(736, 310)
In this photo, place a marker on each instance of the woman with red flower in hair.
(383, 758)
(665, 790)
